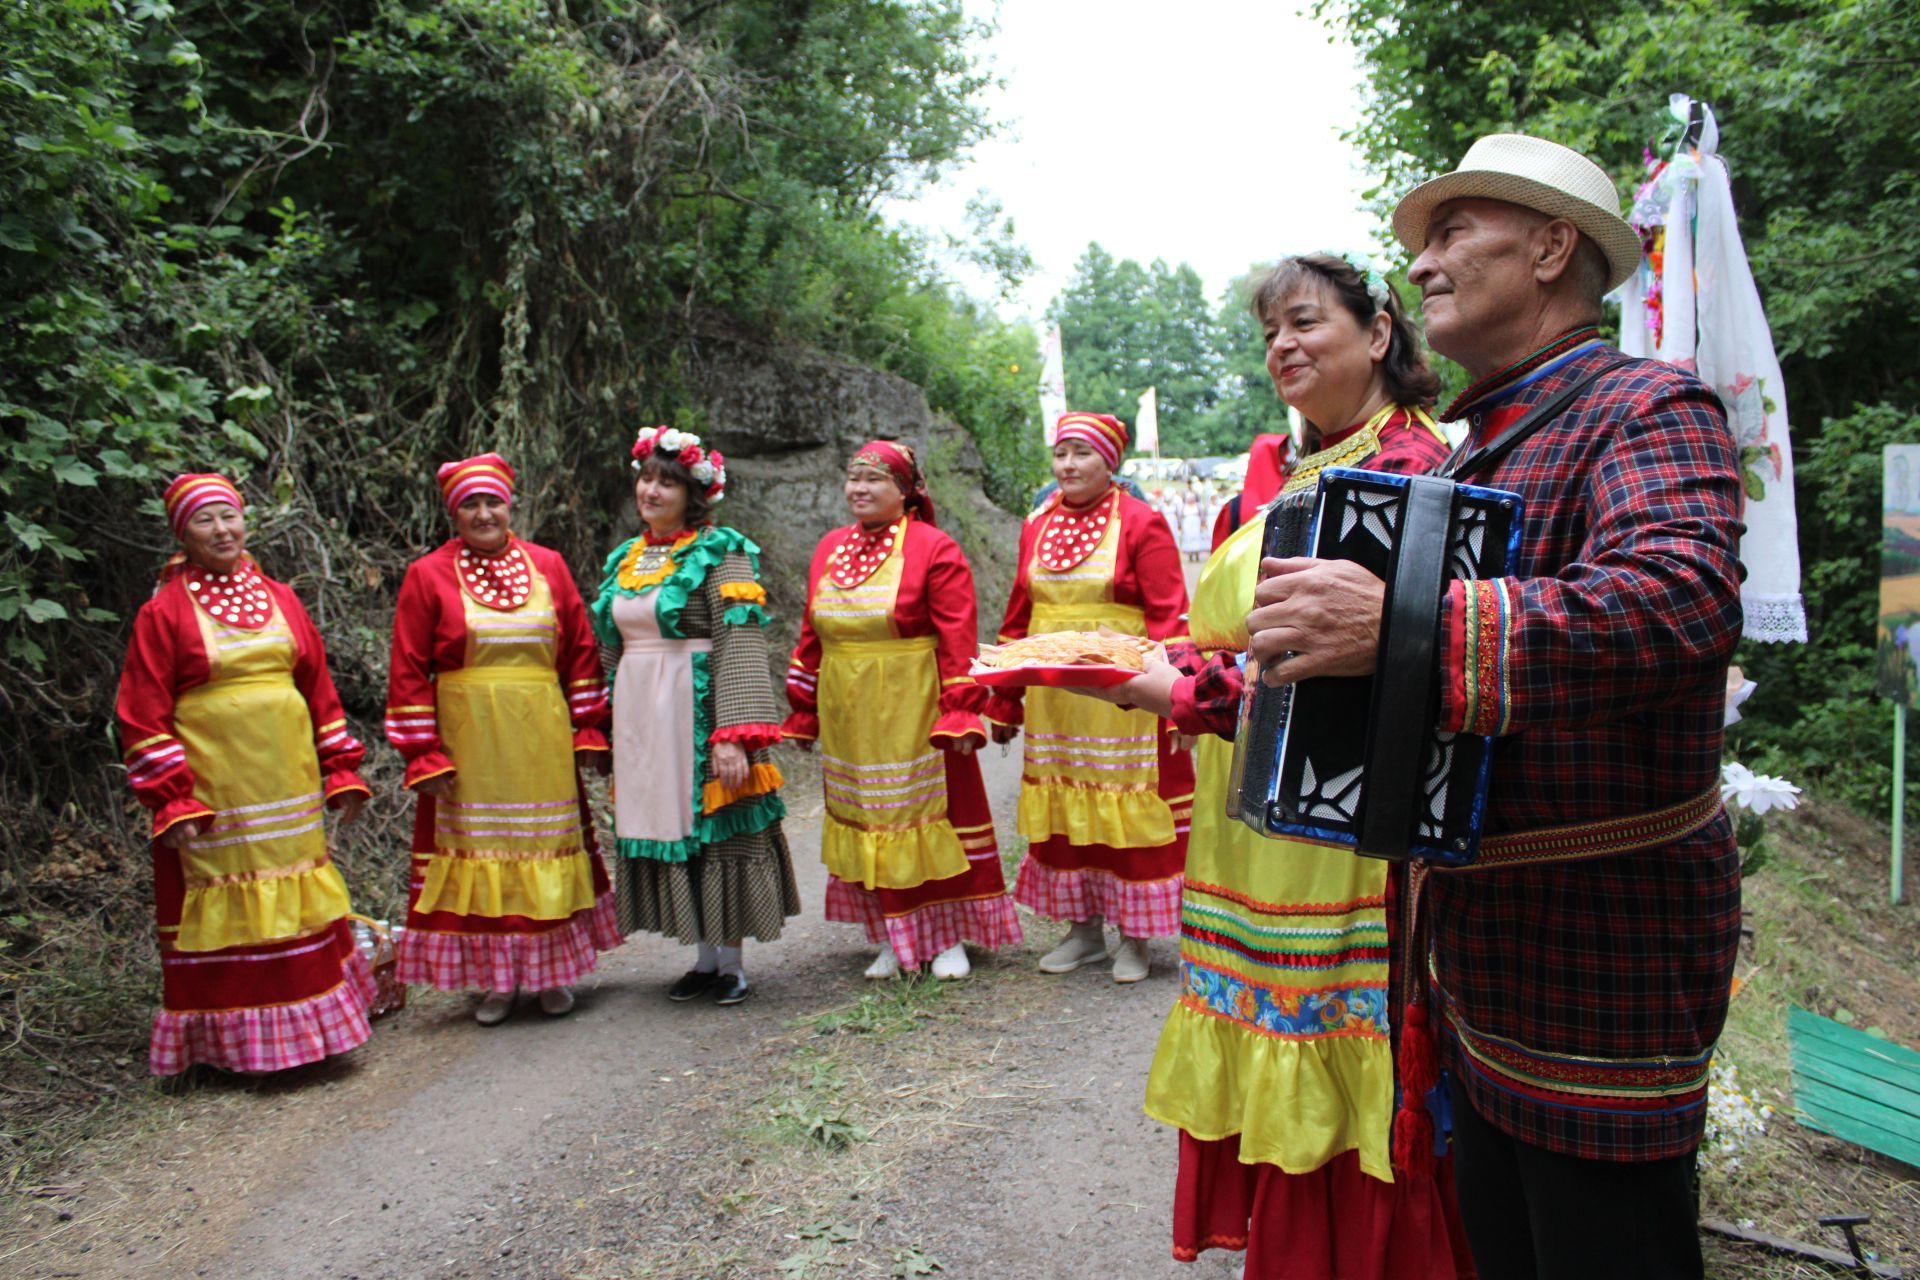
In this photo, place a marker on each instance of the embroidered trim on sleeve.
(1484, 630)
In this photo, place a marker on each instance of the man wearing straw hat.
(1579, 983)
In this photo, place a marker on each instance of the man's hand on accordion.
(1315, 618)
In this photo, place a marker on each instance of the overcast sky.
(1204, 132)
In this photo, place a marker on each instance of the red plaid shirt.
(1583, 1000)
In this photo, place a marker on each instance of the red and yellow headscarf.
(897, 460)
(484, 473)
(188, 493)
(1104, 432)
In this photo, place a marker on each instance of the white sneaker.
(1130, 960)
(885, 965)
(556, 1001)
(952, 963)
(1085, 943)
(493, 1010)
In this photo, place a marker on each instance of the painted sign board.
(1897, 668)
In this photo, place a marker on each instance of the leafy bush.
(326, 246)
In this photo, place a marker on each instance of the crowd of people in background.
(1190, 509)
(1327, 1126)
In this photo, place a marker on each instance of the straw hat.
(1535, 174)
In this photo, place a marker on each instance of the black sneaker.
(732, 989)
(691, 984)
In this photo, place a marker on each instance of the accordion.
(1357, 761)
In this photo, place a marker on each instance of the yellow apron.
(885, 783)
(260, 872)
(508, 841)
(1280, 1034)
(1092, 771)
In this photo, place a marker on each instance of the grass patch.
(1013, 849)
(80, 973)
(1824, 938)
(887, 1011)
(817, 1101)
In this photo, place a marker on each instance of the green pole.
(1899, 797)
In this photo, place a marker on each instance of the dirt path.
(995, 1130)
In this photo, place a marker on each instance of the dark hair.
(699, 510)
(1408, 379)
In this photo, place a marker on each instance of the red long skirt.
(1335, 1223)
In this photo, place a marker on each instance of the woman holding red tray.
(879, 679)
(1106, 795)
(1277, 1063)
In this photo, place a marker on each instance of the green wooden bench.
(1855, 1086)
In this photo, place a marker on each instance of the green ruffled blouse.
(713, 544)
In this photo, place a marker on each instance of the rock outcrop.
(789, 417)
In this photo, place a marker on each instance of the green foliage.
(1818, 117)
(1125, 328)
(324, 246)
(1823, 722)
(1248, 405)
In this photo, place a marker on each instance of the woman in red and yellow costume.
(235, 738)
(1106, 795)
(1277, 1063)
(495, 699)
(879, 678)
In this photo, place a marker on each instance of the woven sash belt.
(1604, 838)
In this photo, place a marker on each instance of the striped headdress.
(1104, 432)
(484, 473)
(898, 460)
(188, 493)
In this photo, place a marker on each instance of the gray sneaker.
(1085, 943)
(1130, 960)
(493, 1010)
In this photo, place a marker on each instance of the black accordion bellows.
(1358, 761)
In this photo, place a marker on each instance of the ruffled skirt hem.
(268, 1037)
(556, 957)
(923, 933)
(744, 889)
(1138, 908)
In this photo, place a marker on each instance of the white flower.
(670, 442)
(1734, 1119)
(1758, 792)
(703, 471)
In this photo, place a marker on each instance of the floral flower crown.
(1368, 271)
(707, 466)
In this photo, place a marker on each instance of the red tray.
(1078, 676)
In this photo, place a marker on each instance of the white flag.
(1053, 383)
(1146, 424)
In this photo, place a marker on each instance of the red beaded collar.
(1068, 537)
(503, 581)
(237, 599)
(862, 553)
